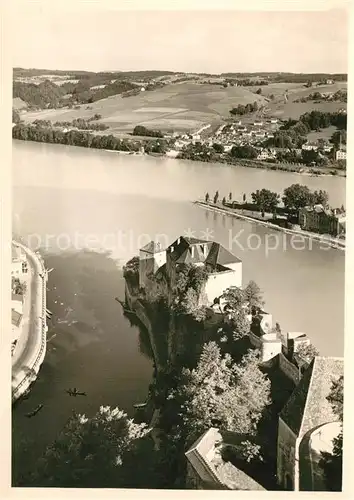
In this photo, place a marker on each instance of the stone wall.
(286, 456)
(289, 369)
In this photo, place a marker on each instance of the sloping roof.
(182, 250)
(152, 247)
(190, 251)
(308, 407)
(17, 296)
(218, 472)
(16, 318)
(219, 255)
(18, 103)
(236, 479)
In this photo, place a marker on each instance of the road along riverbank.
(326, 239)
(27, 360)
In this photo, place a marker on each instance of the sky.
(191, 41)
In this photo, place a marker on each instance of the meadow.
(183, 107)
(187, 106)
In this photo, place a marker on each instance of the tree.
(91, 451)
(224, 201)
(266, 200)
(218, 148)
(131, 269)
(253, 296)
(296, 197)
(216, 197)
(320, 197)
(332, 463)
(307, 352)
(244, 197)
(246, 151)
(15, 116)
(309, 156)
(220, 393)
(234, 298)
(339, 137)
(230, 197)
(190, 305)
(240, 325)
(207, 197)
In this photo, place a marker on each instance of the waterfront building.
(341, 154)
(322, 220)
(16, 322)
(309, 146)
(19, 262)
(17, 302)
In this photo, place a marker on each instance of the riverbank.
(328, 240)
(29, 356)
(132, 146)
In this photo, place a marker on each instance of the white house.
(309, 147)
(266, 154)
(341, 155)
(19, 262)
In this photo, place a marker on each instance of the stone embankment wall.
(25, 371)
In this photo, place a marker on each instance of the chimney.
(205, 249)
(192, 251)
(179, 240)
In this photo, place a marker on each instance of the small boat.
(34, 412)
(139, 406)
(75, 392)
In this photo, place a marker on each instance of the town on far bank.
(284, 122)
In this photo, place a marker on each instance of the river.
(90, 211)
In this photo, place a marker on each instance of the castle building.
(224, 269)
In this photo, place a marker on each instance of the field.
(284, 108)
(182, 107)
(187, 106)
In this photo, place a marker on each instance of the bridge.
(31, 346)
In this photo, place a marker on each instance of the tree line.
(244, 109)
(83, 139)
(145, 132)
(292, 133)
(294, 197)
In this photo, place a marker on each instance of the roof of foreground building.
(308, 406)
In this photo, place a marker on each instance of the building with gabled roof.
(307, 413)
(224, 269)
(206, 468)
(322, 220)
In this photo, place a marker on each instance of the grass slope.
(181, 107)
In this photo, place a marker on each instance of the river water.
(89, 211)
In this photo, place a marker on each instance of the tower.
(151, 258)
